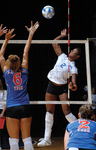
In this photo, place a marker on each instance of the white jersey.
(3, 97)
(59, 73)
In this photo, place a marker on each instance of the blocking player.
(18, 113)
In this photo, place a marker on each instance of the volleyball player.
(58, 87)
(18, 114)
(80, 134)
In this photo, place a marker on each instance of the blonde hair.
(86, 111)
(13, 62)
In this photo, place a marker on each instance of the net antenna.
(86, 42)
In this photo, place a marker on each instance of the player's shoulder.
(7, 71)
(63, 55)
(72, 63)
(73, 123)
(93, 122)
(24, 70)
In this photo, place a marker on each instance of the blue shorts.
(57, 90)
(19, 112)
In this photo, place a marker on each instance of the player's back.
(16, 87)
(82, 134)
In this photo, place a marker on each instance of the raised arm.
(31, 31)
(56, 46)
(3, 30)
(3, 48)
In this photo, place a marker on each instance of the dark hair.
(79, 51)
(86, 111)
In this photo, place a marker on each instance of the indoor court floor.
(57, 144)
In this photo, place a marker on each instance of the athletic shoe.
(21, 147)
(44, 142)
(34, 142)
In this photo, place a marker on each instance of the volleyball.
(48, 12)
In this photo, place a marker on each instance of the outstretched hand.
(9, 34)
(33, 28)
(64, 32)
(3, 31)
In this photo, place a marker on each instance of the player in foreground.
(58, 87)
(80, 134)
(18, 113)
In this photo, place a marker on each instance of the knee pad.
(14, 143)
(49, 117)
(28, 143)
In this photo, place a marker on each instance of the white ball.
(48, 12)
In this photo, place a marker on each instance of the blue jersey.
(16, 83)
(82, 134)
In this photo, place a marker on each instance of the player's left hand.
(72, 86)
(9, 34)
(64, 32)
(33, 28)
(3, 30)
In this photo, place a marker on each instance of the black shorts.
(57, 90)
(19, 112)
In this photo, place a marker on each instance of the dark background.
(17, 14)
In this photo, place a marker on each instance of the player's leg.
(49, 117)
(25, 126)
(49, 120)
(66, 108)
(13, 130)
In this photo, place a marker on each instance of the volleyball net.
(37, 50)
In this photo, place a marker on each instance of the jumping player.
(58, 87)
(18, 114)
(80, 134)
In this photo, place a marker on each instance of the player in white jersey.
(58, 86)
